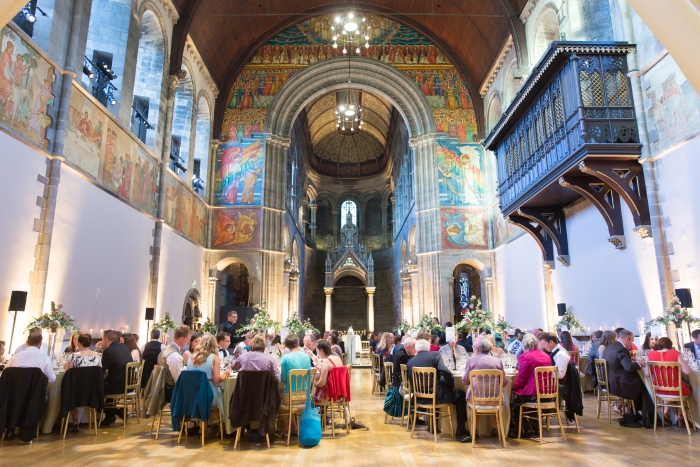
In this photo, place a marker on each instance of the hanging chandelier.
(350, 32)
(349, 111)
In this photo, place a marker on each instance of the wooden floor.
(386, 445)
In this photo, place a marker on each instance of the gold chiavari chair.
(487, 399)
(575, 356)
(407, 398)
(365, 351)
(132, 392)
(375, 374)
(388, 377)
(425, 400)
(294, 398)
(668, 390)
(547, 405)
(601, 371)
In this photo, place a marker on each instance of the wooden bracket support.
(552, 220)
(539, 234)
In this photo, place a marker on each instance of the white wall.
(520, 283)
(606, 287)
(181, 262)
(99, 264)
(19, 189)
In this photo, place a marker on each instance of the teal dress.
(207, 368)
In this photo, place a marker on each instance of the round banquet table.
(352, 348)
(586, 380)
(227, 389)
(693, 379)
(484, 424)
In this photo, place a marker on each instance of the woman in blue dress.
(207, 360)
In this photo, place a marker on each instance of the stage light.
(87, 72)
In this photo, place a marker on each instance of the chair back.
(547, 383)
(404, 377)
(388, 373)
(575, 356)
(297, 383)
(487, 387)
(375, 362)
(666, 376)
(601, 372)
(424, 383)
(22, 398)
(365, 346)
(134, 370)
(82, 387)
(345, 358)
(339, 383)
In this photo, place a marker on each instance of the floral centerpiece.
(403, 328)
(55, 320)
(427, 324)
(475, 318)
(675, 314)
(209, 327)
(298, 327)
(165, 324)
(502, 325)
(261, 321)
(570, 321)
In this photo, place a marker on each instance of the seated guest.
(483, 360)
(667, 353)
(149, 355)
(195, 340)
(374, 340)
(243, 346)
(596, 337)
(609, 338)
(44, 346)
(495, 350)
(384, 348)
(310, 349)
(560, 357)
(595, 342)
(398, 346)
(73, 344)
(401, 356)
(206, 359)
(650, 342)
(329, 360)
(444, 392)
(567, 341)
(223, 340)
(695, 345)
(465, 341)
(335, 347)
(257, 358)
(435, 343)
(172, 360)
(132, 345)
(524, 389)
(623, 377)
(633, 346)
(82, 357)
(153, 344)
(296, 359)
(115, 357)
(341, 343)
(33, 357)
(513, 337)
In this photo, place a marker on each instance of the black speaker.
(18, 300)
(684, 296)
(150, 313)
(561, 309)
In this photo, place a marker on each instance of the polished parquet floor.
(383, 444)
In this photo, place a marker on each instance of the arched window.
(348, 207)
(148, 80)
(546, 31)
(182, 126)
(494, 113)
(201, 146)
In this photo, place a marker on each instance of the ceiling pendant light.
(352, 33)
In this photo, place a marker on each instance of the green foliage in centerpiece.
(54, 320)
(165, 324)
(298, 327)
(261, 321)
(403, 328)
(475, 318)
(570, 321)
(674, 314)
(427, 324)
(209, 327)
(502, 325)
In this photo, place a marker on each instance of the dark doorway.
(467, 282)
(349, 304)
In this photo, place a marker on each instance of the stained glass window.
(464, 293)
(351, 207)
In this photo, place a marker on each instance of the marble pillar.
(293, 295)
(329, 307)
(406, 298)
(370, 308)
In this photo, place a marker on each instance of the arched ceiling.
(471, 33)
(349, 153)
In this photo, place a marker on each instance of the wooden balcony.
(571, 131)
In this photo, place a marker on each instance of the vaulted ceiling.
(228, 32)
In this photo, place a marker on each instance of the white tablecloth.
(352, 348)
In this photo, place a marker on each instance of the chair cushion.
(669, 396)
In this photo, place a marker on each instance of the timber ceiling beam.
(552, 220)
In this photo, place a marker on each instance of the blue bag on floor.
(310, 424)
(393, 403)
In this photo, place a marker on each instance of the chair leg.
(607, 398)
(561, 427)
(656, 411)
(238, 437)
(685, 416)
(449, 416)
(182, 427)
(289, 428)
(413, 429)
(599, 402)
(473, 430)
(201, 430)
(434, 415)
(125, 415)
(160, 421)
(503, 428)
(539, 420)
(333, 423)
(94, 414)
(578, 429)
(64, 426)
(520, 422)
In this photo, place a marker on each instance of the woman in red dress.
(666, 353)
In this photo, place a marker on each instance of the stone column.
(390, 236)
(384, 224)
(312, 226)
(406, 298)
(370, 308)
(451, 289)
(329, 307)
(211, 173)
(487, 297)
(293, 295)
(213, 288)
(415, 286)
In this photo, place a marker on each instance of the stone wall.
(313, 302)
(387, 298)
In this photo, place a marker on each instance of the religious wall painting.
(463, 228)
(26, 81)
(505, 231)
(184, 211)
(237, 228)
(239, 173)
(460, 173)
(675, 106)
(85, 136)
(145, 181)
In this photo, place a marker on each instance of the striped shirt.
(257, 361)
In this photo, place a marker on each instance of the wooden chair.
(388, 377)
(332, 408)
(92, 413)
(424, 382)
(407, 398)
(487, 399)
(132, 392)
(214, 410)
(547, 405)
(298, 382)
(665, 379)
(575, 356)
(365, 351)
(601, 371)
(158, 373)
(375, 374)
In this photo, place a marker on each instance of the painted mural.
(237, 228)
(26, 80)
(184, 211)
(460, 173)
(239, 172)
(99, 147)
(675, 106)
(504, 230)
(463, 228)
(310, 42)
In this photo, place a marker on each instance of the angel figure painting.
(239, 173)
(464, 228)
(237, 228)
(460, 173)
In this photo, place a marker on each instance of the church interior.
(358, 165)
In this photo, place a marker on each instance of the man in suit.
(149, 355)
(465, 340)
(623, 377)
(115, 357)
(223, 340)
(444, 392)
(232, 327)
(695, 345)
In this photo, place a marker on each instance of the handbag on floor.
(393, 402)
(310, 424)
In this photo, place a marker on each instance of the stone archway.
(395, 86)
(192, 309)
